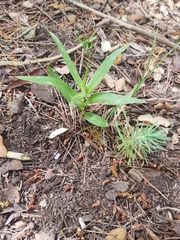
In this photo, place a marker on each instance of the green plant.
(86, 43)
(146, 72)
(139, 141)
(85, 95)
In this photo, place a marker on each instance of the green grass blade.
(103, 69)
(67, 60)
(67, 92)
(95, 119)
(112, 99)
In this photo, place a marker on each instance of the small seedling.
(139, 141)
(85, 95)
(87, 44)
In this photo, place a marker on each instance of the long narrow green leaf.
(67, 60)
(112, 99)
(103, 69)
(95, 119)
(67, 92)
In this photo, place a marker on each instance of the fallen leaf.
(18, 17)
(138, 47)
(19, 224)
(109, 81)
(28, 4)
(117, 234)
(17, 83)
(121, 186)
(44, 235)
(12, 194)
(43, 92)
(111, 194)
(119, 84)
(63, 70)
(148, 118)
(11, 165)
(165, 106)
(175, 138)
(158, 73)
(49, 174)
(16, 105)
(28, 32)
(135, 175)
(57, 132)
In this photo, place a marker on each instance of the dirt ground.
(73, 186)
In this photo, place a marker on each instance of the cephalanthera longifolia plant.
(85, 95)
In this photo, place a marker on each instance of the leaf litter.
(85, 178)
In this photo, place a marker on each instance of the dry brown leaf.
(148, 118)
(16, 105)
(117, 234)
(63, 70)
(158, 73)
(109, 81)
(11, 165)
(165, 106)
(119, 84)
(19, 17)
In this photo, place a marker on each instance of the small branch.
(140, 30)
(41, 60)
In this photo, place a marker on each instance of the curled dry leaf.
(148, 118)
(166, 106)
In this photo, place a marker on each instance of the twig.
(137, 29)
(169, 208)
(40, 60)
(152, 186)
(151, 234)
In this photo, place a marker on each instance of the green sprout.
(139, 141)
(85, 96)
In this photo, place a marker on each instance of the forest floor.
(74, 186)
